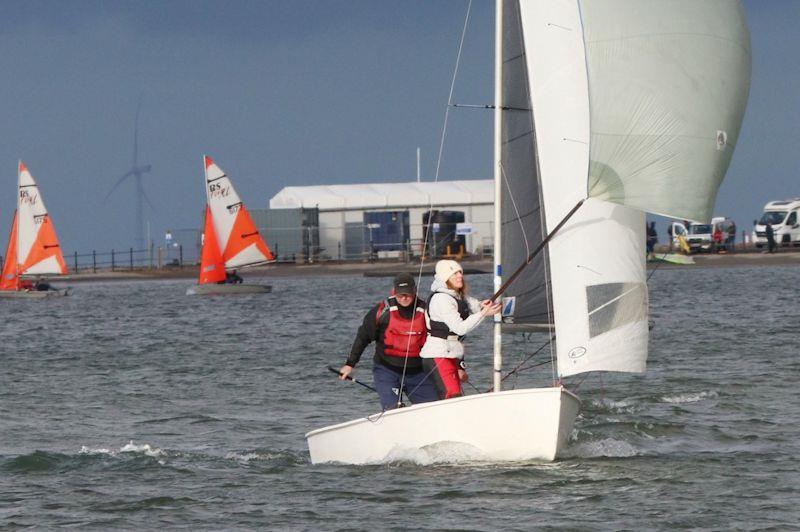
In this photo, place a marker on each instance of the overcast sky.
(291, 92)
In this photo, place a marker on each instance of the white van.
(700, 237)
(783, 215)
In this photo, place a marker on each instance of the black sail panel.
(525, 301)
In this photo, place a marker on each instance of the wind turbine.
(137, 171)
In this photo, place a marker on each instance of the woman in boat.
(450, 315)
(397, 326)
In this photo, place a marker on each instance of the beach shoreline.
(471, 265)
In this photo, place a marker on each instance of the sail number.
(217, 190)
(28, 198)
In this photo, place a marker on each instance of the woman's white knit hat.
(446, 268)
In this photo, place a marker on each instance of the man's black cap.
(404, 284)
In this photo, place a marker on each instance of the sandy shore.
(385, 269)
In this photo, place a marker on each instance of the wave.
(605, 448)
(688, 397)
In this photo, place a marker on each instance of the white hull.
(34, 294)
(531, 424)
(227, 289)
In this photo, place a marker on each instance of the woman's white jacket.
(443, 307)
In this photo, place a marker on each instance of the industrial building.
(379, 220)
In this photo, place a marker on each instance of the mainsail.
(525, 300)
(9, 279)
(236, 234)
(635, 105)
(212, 267)
(37, 251)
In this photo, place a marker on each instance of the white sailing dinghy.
(33, 252)
(603, 110)
(230, 239)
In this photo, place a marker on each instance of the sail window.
(612, 305)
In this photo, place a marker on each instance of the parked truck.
(783, 215)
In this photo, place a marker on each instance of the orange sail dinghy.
(33, 252)
(230, 239)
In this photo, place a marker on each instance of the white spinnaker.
(600, 301)
(223, 201)
(31, 212)
(668, 84)
(600, 250)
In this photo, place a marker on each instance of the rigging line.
(656, 267)
(427, 229)
(535, 252)
(516, 210)
(518, 366)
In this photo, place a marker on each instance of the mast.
(19, 257)
(498, 189)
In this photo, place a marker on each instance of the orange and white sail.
(36, 250)
(212, 267)
(9, 278)
(236, 234)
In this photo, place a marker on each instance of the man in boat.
(232, 278)
(450, 315)
(397, 326)
(41, 286)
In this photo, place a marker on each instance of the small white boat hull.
(34, 294)
(530, 424)
(227, 289)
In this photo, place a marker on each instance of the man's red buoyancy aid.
(403, 337)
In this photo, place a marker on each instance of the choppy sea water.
(130, 405)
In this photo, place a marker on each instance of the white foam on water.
(245, 457)
(688, 397)
(130, 447)
(608, 447)
(143, 448)
(89, 451)
(438, 453)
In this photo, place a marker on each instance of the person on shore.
(716, 236)
(397, 326)
(730, 237)
(652, 240)
(770, 238)
(669, 236)
(450, 315)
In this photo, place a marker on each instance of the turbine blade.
(136, 130)
(118, 183)
(149, 203)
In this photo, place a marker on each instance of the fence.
(122, 260)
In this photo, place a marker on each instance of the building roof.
(386, 195)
